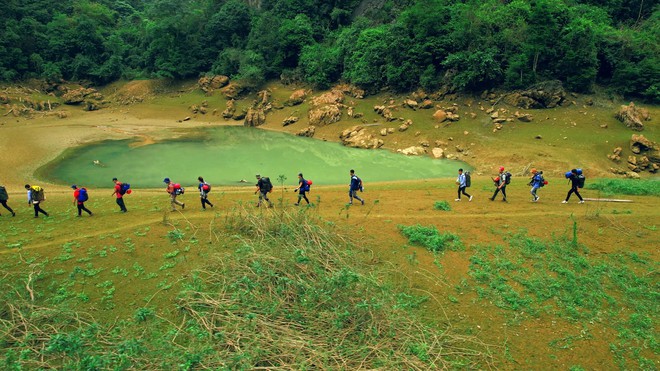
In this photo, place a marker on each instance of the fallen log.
(605, 200)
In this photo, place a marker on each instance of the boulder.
(405, 125)
(632, 116)
(359, 137)
(440, 116)
(453, 116)
(77, 96)
(290, 120)
(297, 97)
(383, 132)
(230, 110)
(412, 151)
(324, 115)
(210, 83)
(232, 90)
(426, 104)
(639, 144)
(410, 104)
(332, 97)
(351, 90)
(632, 175)
(385, 112)
(548, 94)
(307, 132)
(438, 152)
(239, 115)
(254, 117)
(263, 98)
(524, 117)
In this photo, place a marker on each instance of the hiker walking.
(204, 189)
(264, 186)
(462, 182)
(35, 195)
(536, 182)
(4, 197)
(501, 182)
(120, 191)
(303, 187)
(575, 185)
(356, 185)
(80, 196)
(174, 189)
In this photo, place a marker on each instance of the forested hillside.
(401, 44)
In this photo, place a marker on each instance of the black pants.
(573, 190)
(38, 209)
(462, 190)
(120, 202)
(4, 203)
(205, 201)
(81, 207)
(302, 195)
(503, 189)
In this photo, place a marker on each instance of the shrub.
(627, 187)
(431, 238)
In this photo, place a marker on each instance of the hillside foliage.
(401, 44)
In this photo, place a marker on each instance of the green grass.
(532, 277)
(442, 205)
(431, 238)
(626, 187)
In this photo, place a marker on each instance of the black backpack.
(4, 196)
(507, 178)
(468, 179)
(268, 186)
(580, 180)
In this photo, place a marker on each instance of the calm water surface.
(225, 155)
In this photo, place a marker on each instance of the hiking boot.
(537, 198)
(362, 202)
(492, 199)
(581, 202)
(13, 213)
(470, 199)
(183, 206)
(296, 204)
(564, 202)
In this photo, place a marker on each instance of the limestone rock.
(383, 132)
(410, 104)
(332, 97)
(405, 125)
(307, 132)
(77, 96)
(385, 112)
(438, 152)
(632, 116)
(232, 90)
(632, 175)
(324, 115)
(254, 117)
(290, 120)
(230, 110)
(412, 151)
(350, 90)
(359, 137)
(440, 116)
(426, 104)
(524, 117)
(548, 94)
(210, 83)
(297, 97)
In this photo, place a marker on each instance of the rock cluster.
(296, 98)
(633, 116)
(326, 108)
(385, 111)
(307, 132)
(548, 94)
(210, 83)
(290, 120)
(359, 137)
(648, 155)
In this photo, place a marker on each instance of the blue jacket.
(356, 183)
(461, 180)
(537, 180)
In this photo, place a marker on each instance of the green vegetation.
(442, 205)
(468, 45)
(634, 187)
(531, 277)
(292, 294)
(431, 238)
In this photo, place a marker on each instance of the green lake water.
(225, 155)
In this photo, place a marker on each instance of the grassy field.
(410, 280)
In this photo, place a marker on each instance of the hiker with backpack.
(536, 182)
(36, 196)
(80, 196)
(264, 186)
(501, 182)
(303, 187)
(174, 189)
(463, 181)
(4, 197)
(575, 177)
(356, 185)
(120, 190)
(204, 189)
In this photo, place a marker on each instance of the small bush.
(431, 238)
(627, 187)
(442, 205)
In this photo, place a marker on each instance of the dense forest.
(469, 45)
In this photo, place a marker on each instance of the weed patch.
(431, 238)
(635, 187)
(442, 205)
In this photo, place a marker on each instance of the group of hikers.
(35, 194)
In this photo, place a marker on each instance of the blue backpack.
(124, 188)
(82, 195)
